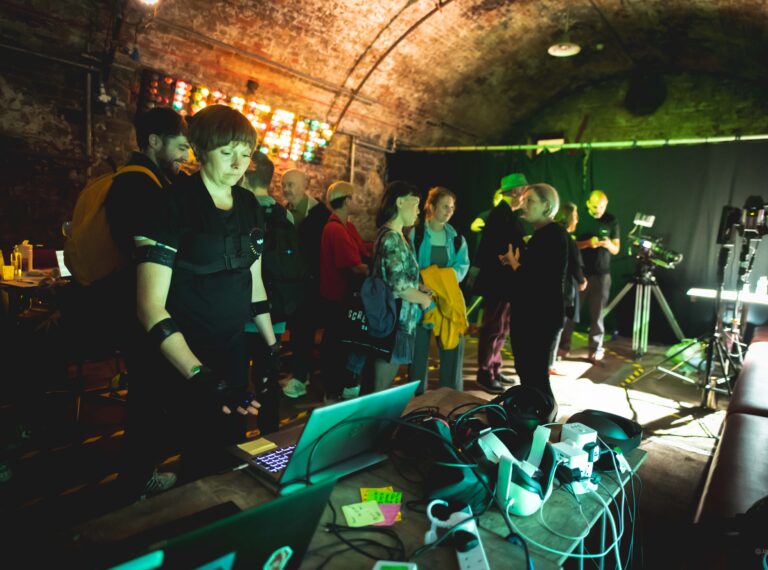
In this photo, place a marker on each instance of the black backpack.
(284, 268)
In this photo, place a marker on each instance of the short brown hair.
(216, 126)
(436, 193)
(564, 214)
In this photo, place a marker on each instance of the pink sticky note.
(390, 514)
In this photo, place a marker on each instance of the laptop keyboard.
(275, 461)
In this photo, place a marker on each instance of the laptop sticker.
(279, 559)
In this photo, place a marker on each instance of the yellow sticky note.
(366, 491)
(362, 514)
(257, 446)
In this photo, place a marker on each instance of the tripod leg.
(668, 312)
(617, 298)
(646, 318)
(637, 319)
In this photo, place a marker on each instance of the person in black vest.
(540, 305)
(310, 216)
(598, 238)
(497, 283)
(199, 282)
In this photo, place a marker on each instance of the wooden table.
(246, 492)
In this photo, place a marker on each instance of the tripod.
(645, 281)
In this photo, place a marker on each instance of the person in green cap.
(496, 282)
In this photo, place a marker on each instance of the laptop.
(274, 535)
(336, 441)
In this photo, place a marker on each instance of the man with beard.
(161, 135)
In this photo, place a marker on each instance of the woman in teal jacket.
(438, 243)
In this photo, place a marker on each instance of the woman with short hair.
(199, 282)
(539, 309)
(398, 267)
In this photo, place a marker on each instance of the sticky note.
(391, 514)
(385, 497)
(365, 491)
(257, 446)
(362, 514)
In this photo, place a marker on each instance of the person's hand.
(426, 301)
(239, 399)
(424, 289)
(583, 285)
(604, 242)
(213, 387)
(594, 242)
(511, 258)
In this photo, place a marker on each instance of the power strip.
(474, 558)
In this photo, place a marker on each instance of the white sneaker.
(295, 388)
(350, 393)
(159, 482)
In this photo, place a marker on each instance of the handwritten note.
(391, 514)
(363, 514)
(384, 496)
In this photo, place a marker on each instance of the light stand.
(646, 283)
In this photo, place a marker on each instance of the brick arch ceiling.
(470, 69)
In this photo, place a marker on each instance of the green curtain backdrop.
(684, 187)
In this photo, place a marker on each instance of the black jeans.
(333, 355)
(168, 413)
(532, 347)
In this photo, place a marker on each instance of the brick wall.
(695, 106)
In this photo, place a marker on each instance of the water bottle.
(16, 261)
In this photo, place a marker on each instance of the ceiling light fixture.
(564, 47)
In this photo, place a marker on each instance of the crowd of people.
(222, 270)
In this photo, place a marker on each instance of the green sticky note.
(366, 491)
(386, 497)
(362, 514)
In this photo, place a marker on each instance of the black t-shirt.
(131, 199)
(210, 306)
(544, 265)
(597, 261)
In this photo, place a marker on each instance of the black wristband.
(274, 348)
(162, 330)
(155, 254)
(259, 308)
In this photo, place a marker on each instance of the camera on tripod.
(650, 250)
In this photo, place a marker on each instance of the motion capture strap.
(259, 308)
(162, 330)
(155, 254)
(230, 260)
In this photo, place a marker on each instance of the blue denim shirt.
(457, 260)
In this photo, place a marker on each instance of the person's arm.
(461, 260)
(153, 284)
(263, 320)
(393, 270)
(589, 243)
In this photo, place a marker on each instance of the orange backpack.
(90, 253)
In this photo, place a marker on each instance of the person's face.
(294, 187)
(596, 205)
(533, 207)
(516, 197)
(444, 209)
(226, 164)
(408, 209)
(574, 221)
(171, 154)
